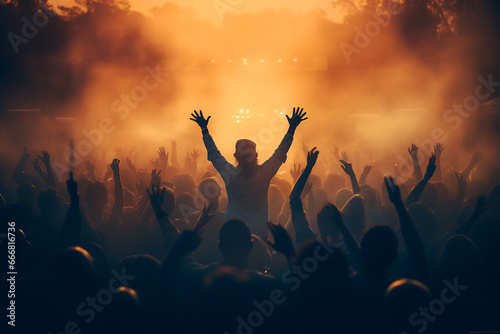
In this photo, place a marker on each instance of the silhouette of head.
(459, 257)
(404, 297)
(379, 249)
(185, 183)
(332, 270)
(49, 202)
(26, 194)
(210, 189)
(355, 215)
(342, 197)
(184, 204)
(246, 153)
(235, 241)
(97, 195)
(326, 225)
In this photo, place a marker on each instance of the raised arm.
(347, 167)
(168, 230)
(417, 191)
(72, 226)
(414, 244)
(302, 229)
(270, 166)
(366, 171)
(116, 212)
(350, 241)
(438, 150)
(417, 171)
(473, 162)
(20, 176)
(220, 163)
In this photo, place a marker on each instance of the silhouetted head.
(185, 183)
(332, 184)
(169, 201)
(460, 258)
(355, 215)
(379, 249)
(325, 263)
(404, 297)
(371, 199)
(75, 266)
(235, 241)
(246, 153)
(342, 197)
(284, 185)
(326, 225)
(144, 267)
(184, 205)
(26, 194)
(210, 189)
(97, 195)
(49, 202)
(441, 189)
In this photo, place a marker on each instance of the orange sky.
(206, 8)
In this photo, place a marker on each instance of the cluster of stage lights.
(241, 115)
(261, 60)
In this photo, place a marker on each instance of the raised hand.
(438, 149)
(200, 119)
(162, 154)
(305, 148)
(335, 152)
(393, 190)
(36, 165)
(155, 177)
(347, 167)
(45, 158)
(115, 166)
(156, 197)
(72, 185)
(413, 151)
(204, 219)
(364, 174)
(295, 172)
(431, 167)
(478, 156)
(282, 241)
(345, 157)
(195, 155)
(312, 157)
(367, 169)
(156, 163)
(298, 116)
(462, 183)
(90, 166)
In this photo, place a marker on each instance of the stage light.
(247, 111)
(294, 60)
(237, 121)
(262, 60)
(241, 111)
(229, 60)
(213, 61)
(238, 116)
(280, 60)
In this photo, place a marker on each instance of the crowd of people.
(234, 248)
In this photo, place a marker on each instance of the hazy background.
(245, 65)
